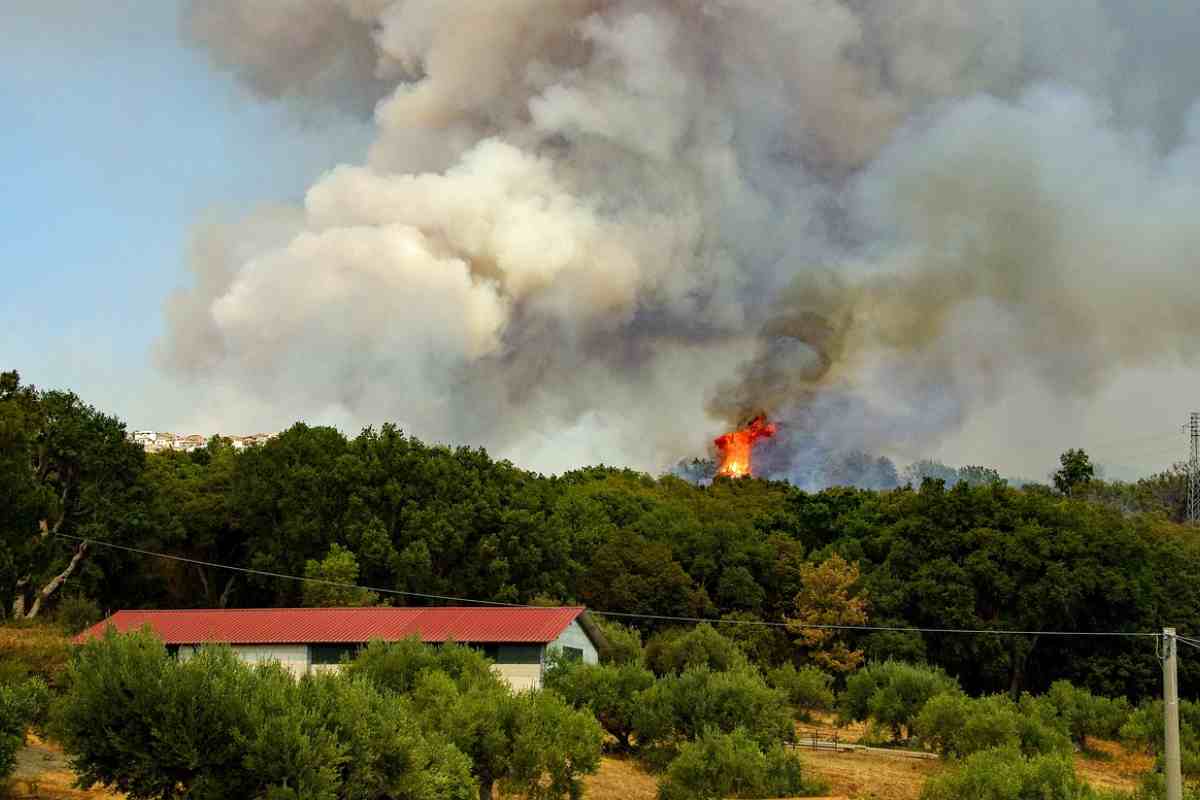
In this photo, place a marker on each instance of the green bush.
(674, 651)
(721, 765)
(808, 688)
(892, 693)
(1153, 786)
(622, 644)
(1080, 713)
(76, 613)
(138, 721)
(396, 666)
(611, 692)
(532, 744)
(1005, 774)
(956, 725)
(679, 708)
(22, 704)
(1143, 729)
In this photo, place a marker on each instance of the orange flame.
(735, 447)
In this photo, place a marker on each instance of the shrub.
(76, 613)
(396, 666)
(682, 707)
(808, 688)
(672, 652)
(1080, 713)
(622, 644)
(1143, 729)
(1004, 774)
(138, 721)
(21, 705)
(532, 743)
(956, 725)
(720, 765)
(892, 693)
(612, 693)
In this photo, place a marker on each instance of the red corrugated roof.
(314, 625)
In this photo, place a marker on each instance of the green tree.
(953, 724)
(1079, 712)
(532, 744)
(622, 644)
(397, 666)
(892, 693)
(22, 704)
(721, 765)
(69, 470)
(1076, 469)
(680, 708)
(139, 721)
(808, 688)
(332, 581)
(679, 649)
(1004, 774)
(611, 692)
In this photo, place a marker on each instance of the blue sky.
(118, 138)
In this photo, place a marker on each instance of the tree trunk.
(485, 788)
(58, 580)
(1021, 651)
(224, 601)
(18, 606)
(204, 583)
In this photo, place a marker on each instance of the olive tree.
(611, 692)
(136, 720)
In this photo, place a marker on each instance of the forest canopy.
(385, 510)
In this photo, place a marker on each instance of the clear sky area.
(576, 249)
(118, 139)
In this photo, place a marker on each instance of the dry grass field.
(43, 773)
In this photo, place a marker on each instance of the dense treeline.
(388, 511)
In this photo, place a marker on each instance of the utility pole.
(1171, 715)
(1193, 429)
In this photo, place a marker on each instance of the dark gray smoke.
(606, 230)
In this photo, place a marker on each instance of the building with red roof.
(517, 639)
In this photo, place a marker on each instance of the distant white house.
(517, 639)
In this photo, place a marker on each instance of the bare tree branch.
(53, 586)
(228, 590)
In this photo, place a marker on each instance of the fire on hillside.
(736, 447)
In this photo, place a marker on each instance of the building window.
(331, 653)
(572, 653)
(510, 653)
(519, 654)
(173, 650)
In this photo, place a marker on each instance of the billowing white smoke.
(601, 230)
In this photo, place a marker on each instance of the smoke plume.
(605, 230)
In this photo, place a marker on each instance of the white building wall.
(574, 636)
(520, 676)
(293, 657)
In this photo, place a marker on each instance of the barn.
(517, 639)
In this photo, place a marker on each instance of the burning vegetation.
(737, 446)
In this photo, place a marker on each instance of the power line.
(614, 614)
(1190, 642)
(268, 574)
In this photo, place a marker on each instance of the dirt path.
(43, 773)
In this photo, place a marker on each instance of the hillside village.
(160, 441)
